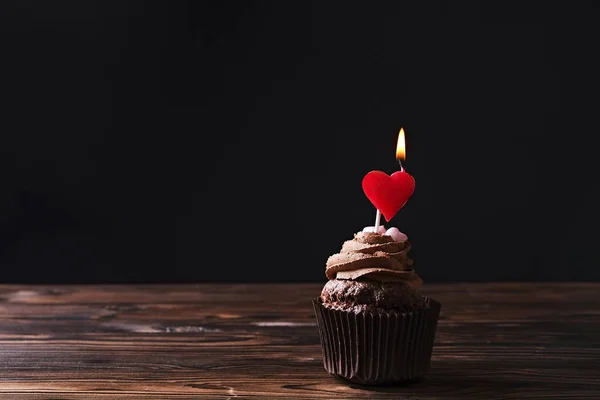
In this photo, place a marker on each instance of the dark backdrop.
(216, 140)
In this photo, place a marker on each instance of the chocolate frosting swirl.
(373, 256)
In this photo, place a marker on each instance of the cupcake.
(374, 325)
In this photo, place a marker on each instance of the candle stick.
(377, 221)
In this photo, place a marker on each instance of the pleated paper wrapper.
(377, 348)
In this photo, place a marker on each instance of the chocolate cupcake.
(374, 325)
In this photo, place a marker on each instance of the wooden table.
(226, 341)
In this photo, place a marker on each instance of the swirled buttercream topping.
(373, 256)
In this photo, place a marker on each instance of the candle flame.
(401, 147)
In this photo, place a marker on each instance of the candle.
(389, 193)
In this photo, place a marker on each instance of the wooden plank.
(219, 341)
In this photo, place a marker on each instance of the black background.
(210, 141)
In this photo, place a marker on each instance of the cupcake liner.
(377, 348)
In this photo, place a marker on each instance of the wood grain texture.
(256, 341)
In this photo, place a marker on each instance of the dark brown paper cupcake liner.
(377, 348)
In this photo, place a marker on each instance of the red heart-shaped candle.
(388, 193)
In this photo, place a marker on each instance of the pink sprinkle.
(372, 229)
(396, 235)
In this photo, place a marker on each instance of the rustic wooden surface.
(226, 341)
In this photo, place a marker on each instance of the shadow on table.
(437, 386)
(439, 380)
(467, 379)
